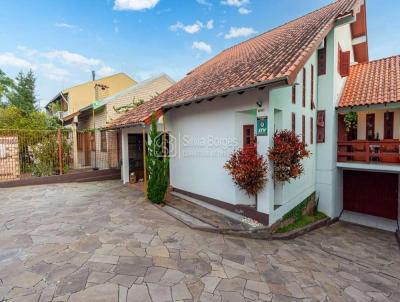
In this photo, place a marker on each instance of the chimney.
(93, 75)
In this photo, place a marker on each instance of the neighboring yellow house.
(93, 145)
(71, 100)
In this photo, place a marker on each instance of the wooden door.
(371, 193)
(388, 125)
(370, 126)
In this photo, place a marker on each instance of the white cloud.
(244, 11)
(134, 4)
(204, 2)
(53, 72)
(235, 32)
(9, 59)
(202, 46)
(236, 3)
(105, 71)
(72, 58)
(192, 28)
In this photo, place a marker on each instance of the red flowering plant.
(286, 154)
(248, 170)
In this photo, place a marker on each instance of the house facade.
(97, 147)
(293, 77)
(70, 100)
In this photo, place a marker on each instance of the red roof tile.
(275, 55)
(375, 82)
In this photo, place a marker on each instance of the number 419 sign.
(262, 126)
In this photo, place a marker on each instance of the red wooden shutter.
(322, 61)
(294, 94)
(312, 87)
(345, 63)
(303, 128)
(321, 126)
(294, 122)
(304, 87)
(311, 131)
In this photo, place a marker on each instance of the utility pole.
(94, 120)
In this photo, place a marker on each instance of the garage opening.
(372, 193)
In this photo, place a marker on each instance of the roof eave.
(284, 80)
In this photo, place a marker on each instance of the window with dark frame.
(388, 125)
(311, 131)
(248, 136)
(294, 122)
(312, 87)
(294, 94)
(320, 126)
(322, 61)
(303, 128)
(370, 127)
(103, 141)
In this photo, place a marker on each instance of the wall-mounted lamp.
(259, 103)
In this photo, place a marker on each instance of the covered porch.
(369, 135)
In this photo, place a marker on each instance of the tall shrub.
(157, 165)
(287, 154)
(248, 170)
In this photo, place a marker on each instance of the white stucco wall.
(290, 194)
(206, 135)
(330, 87)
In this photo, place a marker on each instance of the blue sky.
(62, 40)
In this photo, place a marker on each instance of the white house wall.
(198, 169)
(291, 194)
(330, 87)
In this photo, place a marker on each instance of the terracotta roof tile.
(375, 82)
(273, 55)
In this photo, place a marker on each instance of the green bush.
(157, 166)
(45, 156)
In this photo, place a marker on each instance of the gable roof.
(276, 55)
(375, 82)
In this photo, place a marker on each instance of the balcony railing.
(385, 151)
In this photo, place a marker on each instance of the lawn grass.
(303, 221)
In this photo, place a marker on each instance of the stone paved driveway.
(102, 242)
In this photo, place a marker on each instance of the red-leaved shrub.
(286, 154)
(248, 170)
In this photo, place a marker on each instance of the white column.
(265, 198)
(125, 156)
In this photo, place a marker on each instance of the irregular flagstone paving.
(104, 242)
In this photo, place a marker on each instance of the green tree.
(23, 95)
(12, 117)
(6, 86)
(157, 165)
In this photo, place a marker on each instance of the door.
(388, 125)
(370, 127)
(371, 193)
(136, 157)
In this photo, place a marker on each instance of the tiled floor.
(103, 242)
